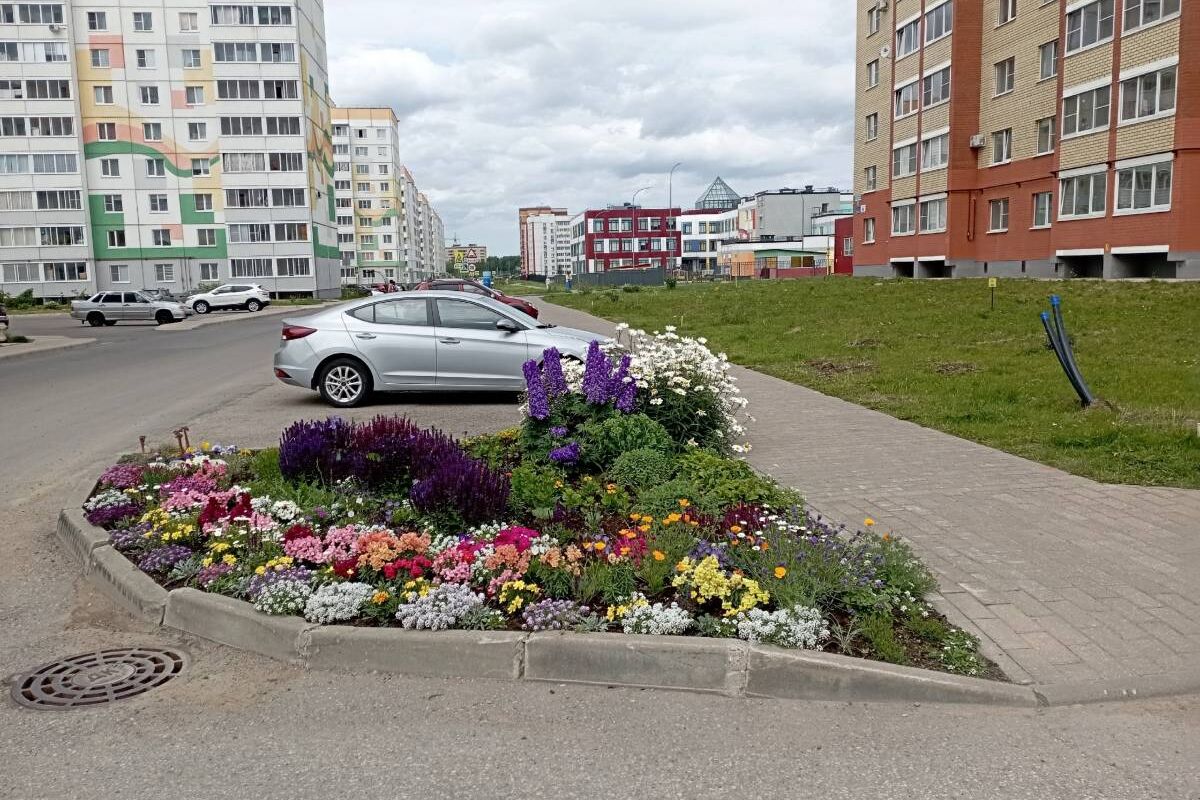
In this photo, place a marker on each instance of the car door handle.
(365, 335)
(449, 341)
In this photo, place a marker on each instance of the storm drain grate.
(103, 676)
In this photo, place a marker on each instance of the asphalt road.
(238, 726)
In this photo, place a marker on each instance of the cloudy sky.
(507, 103)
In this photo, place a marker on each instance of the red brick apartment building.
(624, 237)
(1040, 138)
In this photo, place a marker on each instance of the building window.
(156, 168)
(110, 167)
(210, 271)
(873, 74)
(113, 204)
(1086, 111)
(1090, 25)
(874, 17)
(1144, 188)
(935, 87)
(63, 271)
(870, 183)
(100, 58)
(97, 21)
(103, 95)
(1082, 195)
(1002, 146)
(191, 58)
(203, 202)
(118, 273)
(200, 167)
(904, 161)
(848, 246)
(1048, 60)
(907, 99)
(193, 95)
(152, 131)
(1148, 96)
(159, 204)
(933, 215)
(908, 38)
(1008, 11)
(189, 21)
(116, 237)
(1045, 135)
(1006, 73)
(145, 59)
(872, 127)
(1042, 202)
(143, 21)
(299, 267)
(903, 218)
(106, 131)
(939, 21)
(935, 152)
(1139, 13)
(161, 237)
(164, 273)
(206, 237)
(998, 216)
(149, 95)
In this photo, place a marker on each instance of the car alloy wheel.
(343, 384)
(253, 306)
(95, 319)
(201, 307)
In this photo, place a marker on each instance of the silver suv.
(109, 308)
(249, 296)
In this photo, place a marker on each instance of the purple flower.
(597, 375)
(704, 549)
(256, 583)
(553, 615)
(122, 476)
(207, 575)
(104, 516)
(567, 454)
(539, 404)
(558, 431)
(623, 388)
(464, 486)
(127, 538)
(556, 383)
(162, 559)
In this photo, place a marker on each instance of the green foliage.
(270, 481)
(673, 543)
(959, 653)
(354, 292)
(929, 629)
(715, 627)
(642, 467)
(721, 482)
(533, 488)
(631, 288)
(901, 571)
(606, 583)
(602, 442)
(661, 499)
(878, 631)
(557, 584)
(482, 618)
(670, 283)
(501, 451)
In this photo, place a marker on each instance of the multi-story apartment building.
(1023, 137)
(546, 244)
(468, 254)
(523, 232)
(624, 237)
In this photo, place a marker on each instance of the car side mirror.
(507, 325)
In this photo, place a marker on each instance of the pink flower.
(307, 548)
(340, 543)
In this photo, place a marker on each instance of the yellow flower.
(869, 522)
(380, 597)
(229, 558)
(659, 555)
(600, 545)
(206, 445)
(780, 572)
(684, 502)
(558, 484)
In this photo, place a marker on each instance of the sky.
(510, 103)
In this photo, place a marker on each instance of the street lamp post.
(633, 223)
(671, 206)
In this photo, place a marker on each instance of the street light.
(671, 205)
(633, 222)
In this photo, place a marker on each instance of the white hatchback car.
(249, 296)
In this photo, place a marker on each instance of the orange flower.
(887, 537)
(684, 502)
(599, 546)
(643, 528)
(735, 528)
(659, 555)
(780, 571)
(765, 544)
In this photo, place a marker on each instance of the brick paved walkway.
(1064, 579)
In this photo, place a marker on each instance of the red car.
(463, 285)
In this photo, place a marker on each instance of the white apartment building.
(165, 145)
(547, 241)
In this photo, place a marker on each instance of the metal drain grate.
(103, 676)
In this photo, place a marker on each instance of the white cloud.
(505, 103)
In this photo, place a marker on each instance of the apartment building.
(624, 237)
(469, 254)
(523, 232)
(1024, 137)
(546, 243)
(196, 137)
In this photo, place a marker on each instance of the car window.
(462, 314)
(475, 290)
(222, 290)
(402, 312)
(133, 297)
(112, 297)
(95, 298)
(239, 288)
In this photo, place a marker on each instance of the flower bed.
(618, 505)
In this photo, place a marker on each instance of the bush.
(642, 467)
(604, 441)
(877, 630)
(631, 288)
(670, 283)
(318, 450)
(664, 498)
(461, 491)
(722, 482)
(532, 488)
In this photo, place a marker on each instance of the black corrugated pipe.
(1051, 335)
(1067, 355)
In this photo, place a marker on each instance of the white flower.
(799, 626)
(337, 602)
(656, 620)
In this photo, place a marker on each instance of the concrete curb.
(12, 352)
(727, 667)
(222, 317)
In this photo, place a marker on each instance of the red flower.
(345, 568)
(519, 538)
(299, 531)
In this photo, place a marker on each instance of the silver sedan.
(418, 341)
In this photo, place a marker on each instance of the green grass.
(521, 288)
(49, 308)
(933, 352)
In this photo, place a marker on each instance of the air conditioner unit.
(977, 141)
(885, 51)
(58, 28)
(882, 5)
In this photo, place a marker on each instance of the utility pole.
(670, 209)
(633, 223)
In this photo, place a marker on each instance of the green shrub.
(533, 488)
(602, 442)
(721, 482)
(501, 450)
(642, 467)
(877, 630)
(664, 498)
(631, 288)
(670, 283)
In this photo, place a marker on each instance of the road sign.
(993, 283)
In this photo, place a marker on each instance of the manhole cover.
(103, 676)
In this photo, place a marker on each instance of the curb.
(728, 667)
(225, 317)
(7, 354)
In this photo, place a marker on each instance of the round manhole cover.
(103, 676)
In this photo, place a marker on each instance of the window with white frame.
(1008, 11)
(874, 17)
(193, 95)
(250, 268)
(145, 59)
(118, 273)
(103, 95)
(295, 267)
(201, 167)
(904, 160)
(1042, 204)
(1002, 146)
(1082, 194)
(115, 237)
(998, 215)
(164, 273)
(904, 218)
(189, 21)
(908, 38)
(1149, 95)
(161, 237)
(1045, 135)
(206, 237)
(870, 178)
(869, 230)
(933, 215)
(110, 167)
(63, 271)
(100, 57)
(908, 99)
(143, 21)
(203, 201)
(935, 152)
(1139, 13)
(1048, 60)
(159, 204)
(149, 95)
(935, 87)
(97, 21)
(152, 131)
(1144, 185)
(191, 58)
(939, 21)
(210, 271)
(156, 168)
(1006, 75)
(1089, 25)
(872, 73)
(1086, 111)
(872, 126)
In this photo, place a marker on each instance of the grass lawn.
(933, 352)
(521, 288)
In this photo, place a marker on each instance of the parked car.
(474, 287)
(161, 294)
(249, 296)
(3, 316)
(417, 341)
(109, 308)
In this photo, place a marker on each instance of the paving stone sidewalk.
(1065, 580)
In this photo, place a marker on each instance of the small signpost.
(992, 283)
